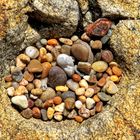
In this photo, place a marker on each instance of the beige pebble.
(36, 91)
(50, 113)
(66, 41)
(78, 104)
(83, 83)
(89, 92)
(10, 91)
(99, 66)
(23, 82)
(37, 83)
(21, 90)
(49, 57)
(82, 99)
(60, 107)
(80, 91)
(20, 64)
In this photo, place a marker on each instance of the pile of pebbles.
(65, 78)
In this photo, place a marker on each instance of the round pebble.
(78, 104)
(76, 77)
(97, 44)
(99, 106)
(57, 100)
(10, 91)
(84, 112)
(89, 92)
(117, 71)
(79, 119)
(80, 91)
(90, 103)
(99, 66)
(27, 113)
(107, 56)
(50, 113)
(60, 107)
(68, 94)
(58, 116)
(36, 91)
(72, 85)
(83, 83)
(43, 41)
(36, 112)
(103, 96)
(69, 103)
(82, 99)
(66, 41)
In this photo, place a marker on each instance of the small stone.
(80, 91)
(103, 96)
(69, 70)
(84, 112)
(48, 103)
(90, 103)
(65, 49)
(57, 77)
(28, 76)
(8, 78)
(96, 89)
(99, 66)
(23, 82)
(21, 90)
(116, 70)
(114, 78)
(10, 91)
(74, 38)
(49, 93)
(105, 39)
(44, 114)
(72, 85)
(92, 112)
(76, 77)
(110, 87)
(8, 84)
(98, 56)
(32, 52)
(24, 58)
(36, 91)
(15, 85)
(112, 64)
(43, 41)
(89, 92)
(61, 88)
(78, 104)
(36, 112)
(44, 83)
(49, 57)
(84, 37)
(82, 99)
(109, 71)
(72, 114)
(99, 106)
(83, 83)
(42, 55)
(97, 44)
(69, 103)
(38, 103)
(52, 42)
(30, 86)
(20, 64)
(96, 98)
(84, 67)
(37, 83)
(60, 107)
(20, 101)
(107, 56)
(33, 97)
(34, 66)
(78, 119)
(17, 74)
(38, 45)
(46, 68)
(66, 41)
(27, 113)
(58, 116)
(101, 82)
(57, 100)
(68, 94)
(30, 103)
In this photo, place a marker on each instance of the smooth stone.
(20, 101)
(89, 92)
(80, 91)
(58, 116)
(72, 85)
(66, 112)
(65, 49)
(103, 96)
(84, 37)
(97, 44)
(30, 103)
(44, 114)
(57, 77)
(68, 94)
(27, 113)
(60, 108)
(28, 76)
(32, 52)
(92, 112)
(38, 103)
(38, 44)
(84, 67)
(74, 38)
(90, 103)
(78, 104)
(99, 106)
(36, 91)
(69, 103)
(61, 88)
(84, 112)
(23, 82)
(10, 91)
(24, 58)
(69, 70)
(66, 41)
(37, 83)
(50, 113)
(34, 66)
(33, 97)
(17, 74)
(20, 64)
(72, 114)
(99, 66)
(44, 83)
(36, 112)
(21, 90)
(83, 83)
(43, 41)
(107, 56)
(30, 86)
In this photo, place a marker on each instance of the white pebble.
(44, 83)
(72, 85)
(78, 104)
(89, 92)
(60, 108)
(90, 103)
(33, 96)
(83, 83)
(10, 91)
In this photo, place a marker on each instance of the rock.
(24, 58)
(49, 57)
(110, 87)
(98, 28)
(37, 83)
(66, 41)
(48, 103)
(52, 42)
(82, 98)
(114, 78)
(103, 96)
(61, 88)
(38, 103)
(10, 91)
(58, 116)
(62, 15)
(89, 92)
(78, 119)
(99, 106)
(27, 113)
(36, 112)
(100, 66)
(42, 55)
(43, 41)
(15, 84)
(78, 104)
(20, 90)
(68, 94)
(30, 86)
(107, 56)
(36, 91)
(33, 97)
(23, 82)
(17, 74)
(44, 114)
(84, 37)
(76, 78)
(57, 100)
(80, 91)
(50, 113)
(72, 114)
(74, 38)
(20, 64)
(72, 85)
(30, 103)
(69, 103)
(8, 78)
(32, 52)
(65, 49)
(117, 71)
(84, 67)
(20, 101)
(90, 103)
(60, 107)
(69, 70)
(101, 82)
(38, 44)
(57, 77)
(121, 9)
(97, 44)
(92, 112)
(83, 83)
(28, 76)
(84, 112)
(44, 83)
(34, 66)
(49, 93)
(98, 56)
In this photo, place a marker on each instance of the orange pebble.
(76, 77)
(36, 112)
(102, 82)
(109, 71)
(8, 78)
(96, 98)
(78, 119)
(28, 76)
(52, 42)
(82, 98)
(48, 103)
(57, 100)
(99, 106)
(117, 71)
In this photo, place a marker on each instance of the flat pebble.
(84, 67)
(116, 70)
(50, 113)
(27, 113)
(74, 38)
(89, 92)
(100, 66)
(17, 74)
(10, 91)
(90, 103)
(61, 88)
(66, 41)
(78, 119)
(72, 85)
(20, 64)
(99, 106)
(72, 114)
(97, 44)
(83, 83)
(103, 96)
(23, 82)
(60, 107)
(36, 91)
(78, 104)
(33, 97)
(21, 90)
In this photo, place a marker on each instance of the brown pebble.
(102, 82)
(46, 68)
(48, 103)
(27, 113)
(76, 77)
(8, 78)
(109, 71)
(30, 103)
(78, 119)
(28, 76)
(57, 100)
(69, 103)
(117, 71)
(96, 98)
(52, 42)
(96, 88)
(30, 86)
(82, 98)
(99, 106)
(97, 44)
(36, 112)
(107, 56)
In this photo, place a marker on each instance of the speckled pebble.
(100, 66)
(27, 113)
(80, 91)
(89, 92)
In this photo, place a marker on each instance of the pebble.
(36, 112)
(44, 114)
(84, 37)
(8, 78)
(99, 66)
(80, 91)
(43, 41)
(84, 67)
(96, 89)
(42, 55)
(48, 103)
(49, 57)
(44, 83)
(110, 87)
(20, 64)
(20, 101)
(74, 38)
(23, 82)
(20, 91)
(83, 83)
(92, 112)
(112, 64)
(105, 39)
(27, 113)
(116, 70)
(99, 106)
(37, 83)
(78, 104)
(36, 91)
(76, 77)
(69, 70)
(103, 96)
(96, 98)
(69, 103)
(60, 107)
(114, 78)
(49, 93)
(61, 88)
(66, 41)
(10, 91)
(78, 119)
(58, 116)
(72, 85)
(50, 113)
(72, 114)
(97, 44)
(52, 42)
(34, 66)
(98, 56)
(32, 52)
(65, 49)
(68, 94)
(57, 77)
(15, 84)
(38, 45)
(30, 103)
(82, 99)
(17, 74)
(102, 82)
(89, 92)
(90, 103)
(109, 71)
(28, 76)
(30, 86)
(38, 103)
(24, 58)
(33, 97)
(46, 68)
(84, 112)
(107, 56)
(57, 100)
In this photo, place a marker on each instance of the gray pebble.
(39, 103)
(44, 114)
(43, 41)
(17, 74)
(103, 96)
(68, 94)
